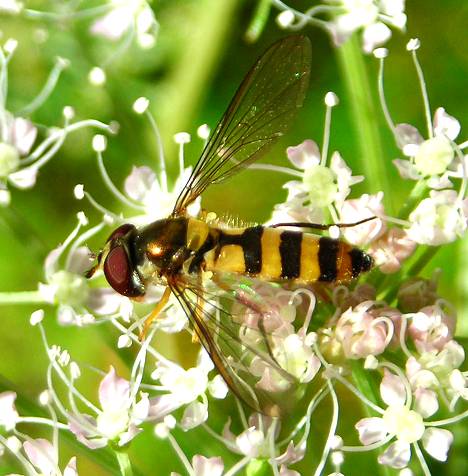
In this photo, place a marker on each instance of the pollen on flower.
(44, 398)
(36, 317)
(97, 76)
(182, 138)
(203, 131)
(413, 44)
(331, 99)
(141, 105)
(285, 18)
(380, 53)
(99, 143)
(78, 191)
(68, 112)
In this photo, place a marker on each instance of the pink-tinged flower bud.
(432, 327)
(391, 250)
(417, 293)
(366, 329)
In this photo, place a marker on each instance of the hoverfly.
(180, 251)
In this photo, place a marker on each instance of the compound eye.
(120, 231)
(119, 273)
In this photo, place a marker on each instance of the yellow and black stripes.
(267, 253)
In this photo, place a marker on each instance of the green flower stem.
(199, 56)
(365, 115)
(368, 387)
(259, 20)
(422, 261)
(22, 297)
(124, 463)
(415, 196)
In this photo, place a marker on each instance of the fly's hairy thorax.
(187, 245)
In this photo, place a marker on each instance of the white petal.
(371, 430)
(437, 441)
(42, 455)
(406, 134)
(207, 466)
(25, 178)
(426, 402)
(195, 414)
(139, 183)
(375, 35)
(304, 155)
(23, 135)
(70, 470)
(250, 441)
(392, 389)
(114, 392)
(446, 124)
(80, 260)
(397, 455)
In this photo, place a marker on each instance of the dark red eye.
(120, 275)
(120, 231)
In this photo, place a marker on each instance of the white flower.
(202, 466)
(438, 219)
(432, 158)
(119, 418)
(126, 15)
(143, 186)
(66, 286)
(399, 421)
(373, 17)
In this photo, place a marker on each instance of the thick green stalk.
(365, 115)
(124, 463)
(259, 20)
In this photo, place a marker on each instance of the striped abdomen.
(276, 254)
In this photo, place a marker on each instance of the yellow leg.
(155, 312)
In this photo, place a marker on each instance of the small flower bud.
(5, 197)
(78, 191)
(62, 62)
(336, 442)
(108, 219)
(334, 232)
(203, 131)
(97, 76)
(99, 143)
(285, 18)
(36, 317)
(413, 44)
(141, 105)
(331, 99)
(182, 138)
(114, 127)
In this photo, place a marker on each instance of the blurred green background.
(190, 75)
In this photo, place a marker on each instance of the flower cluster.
(341, 18)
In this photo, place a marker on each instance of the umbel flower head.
(21, 155)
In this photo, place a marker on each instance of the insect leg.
(155, 312)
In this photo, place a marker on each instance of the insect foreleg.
(155, 312)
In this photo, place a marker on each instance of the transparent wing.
(237, 332)
(261, 111)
